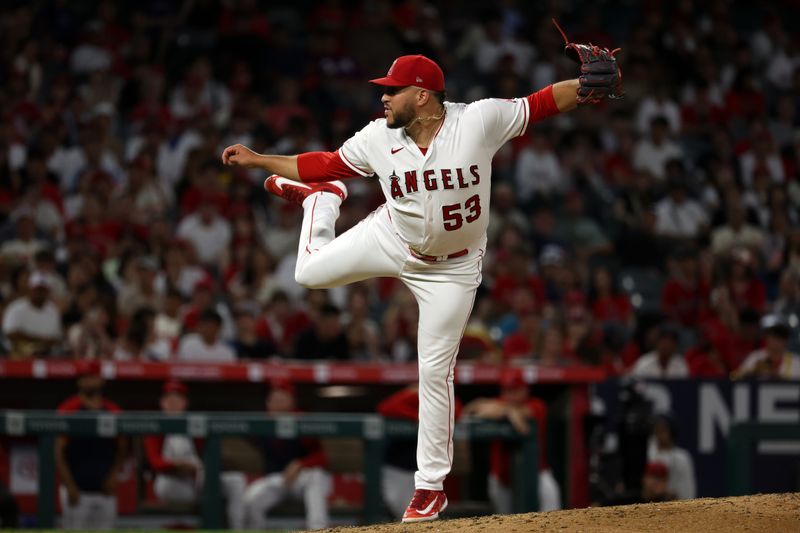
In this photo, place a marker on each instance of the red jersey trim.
(351, 165)
(525, 108)
(311, 227)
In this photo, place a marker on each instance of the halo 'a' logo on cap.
(419, 80)
(391, 68)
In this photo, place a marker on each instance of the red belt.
(434, 258)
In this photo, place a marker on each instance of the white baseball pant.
(182, 490)
(94, 510)
(549, 495)
(397, 484)
(445, 292)
(312, 485)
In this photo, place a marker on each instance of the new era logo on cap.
(414, 70)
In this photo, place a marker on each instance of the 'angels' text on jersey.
(432, 180)
(438, 198)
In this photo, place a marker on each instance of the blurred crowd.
(657, 235)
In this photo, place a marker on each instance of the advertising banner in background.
(704, 412)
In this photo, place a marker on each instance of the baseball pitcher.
(433, 160)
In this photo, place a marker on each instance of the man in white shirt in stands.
(651, 154)
(24, 246)
(665, 362)
(678, 216)
(208, 232)
(205, 345)
(737, 232)
(538, 170)
(32, 323)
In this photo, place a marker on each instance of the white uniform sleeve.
(502, 120)
(355, 150)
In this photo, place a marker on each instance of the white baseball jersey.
(439, 201)
(437, 204)
(180, 447)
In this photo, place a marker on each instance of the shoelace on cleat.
(293, 194)
(419, 499)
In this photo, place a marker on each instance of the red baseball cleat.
(425, 505)
(296, 191)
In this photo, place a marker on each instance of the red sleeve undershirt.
(153, 445)
(315, 167)
(316, 455)
(402, 404)
(542, 104)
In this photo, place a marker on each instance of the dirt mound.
(763, 512)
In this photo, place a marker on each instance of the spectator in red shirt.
(705, 360)
(733, 333)
(747, 291)
(745, 101)
(89, 467)
(684, 297)
(609, 306)
(523, 342)
(518, 407)
(293, 467)
(700, 115)
(177, 464)
(553, 350)
(517, 274)
(204, 187)
(581, 339)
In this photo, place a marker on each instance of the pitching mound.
(763, 512)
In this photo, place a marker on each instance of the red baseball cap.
(512, 378)
(417, 70)
(658, 470)
(282, 384)
(87, 367)
(174, 386)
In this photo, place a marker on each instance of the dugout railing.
(742, 437)
(374, 430)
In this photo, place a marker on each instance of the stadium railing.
(373, 429)
(742, 437)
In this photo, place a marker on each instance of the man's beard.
(402, 118)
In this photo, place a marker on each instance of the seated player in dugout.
(178, 468)
(89, 466)
(293, 468)
(433, 160)
(517, 406)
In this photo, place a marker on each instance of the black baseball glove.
(600, 74)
